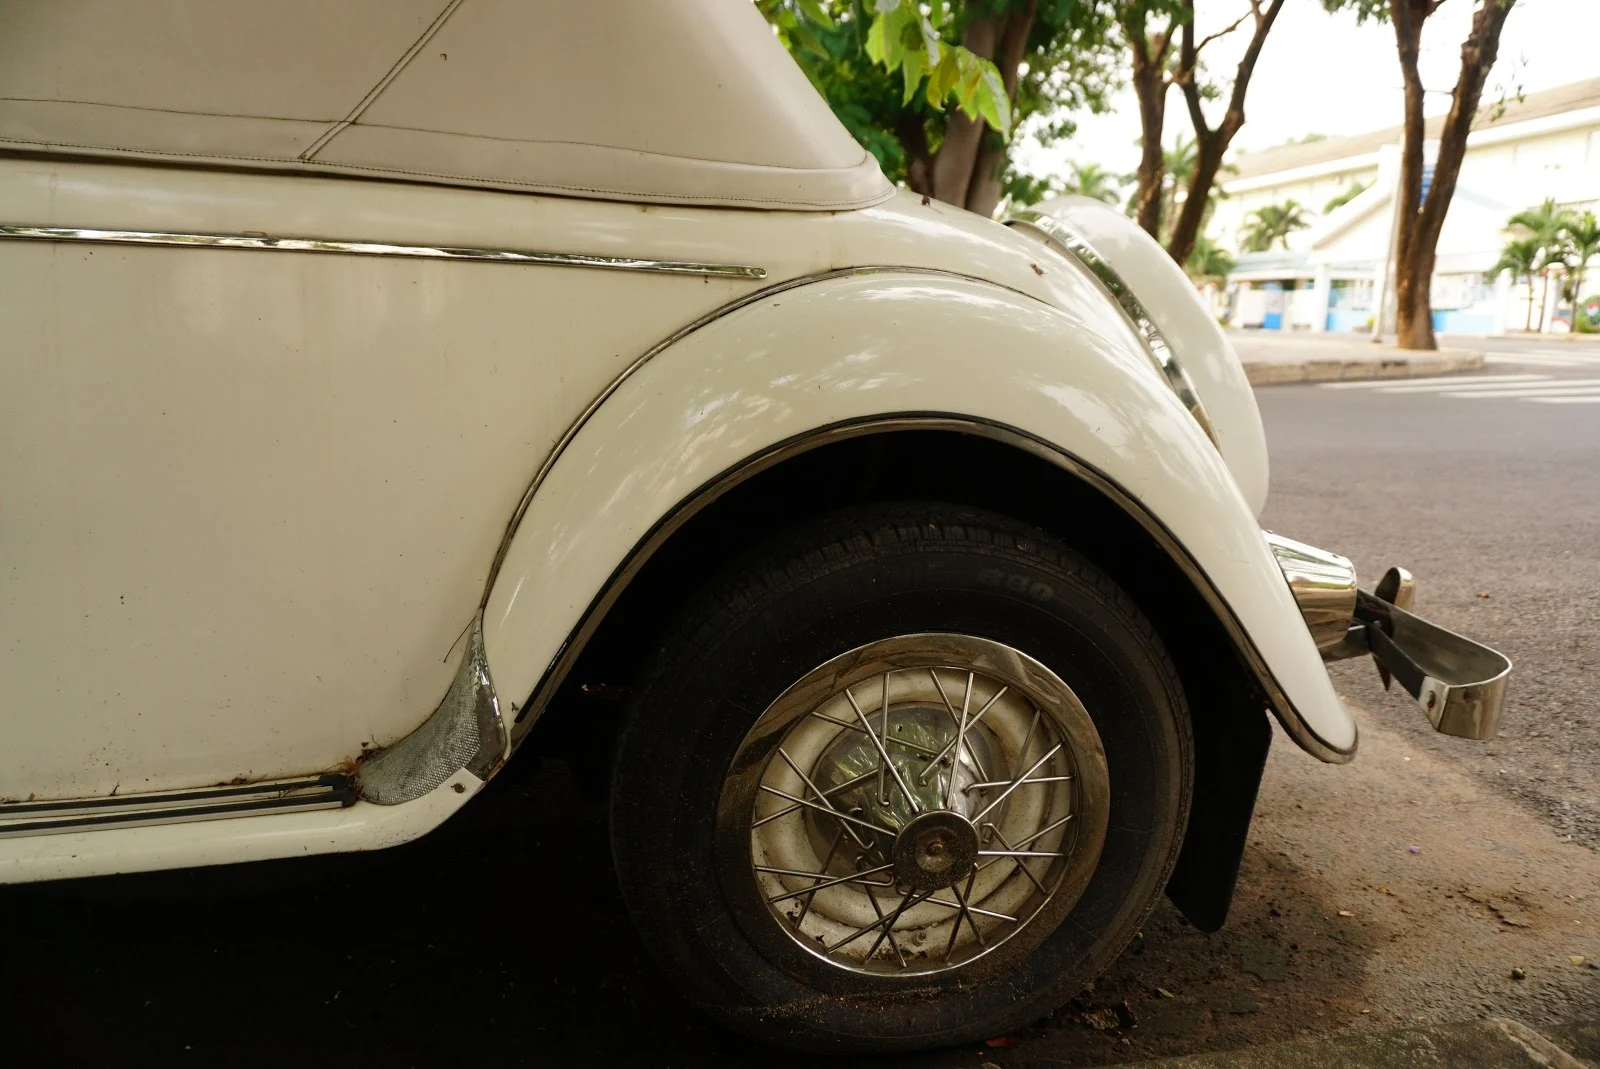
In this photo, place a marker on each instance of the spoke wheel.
(912, 806)
(907, 775)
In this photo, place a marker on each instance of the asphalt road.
(1487, 486)
(1403, 887)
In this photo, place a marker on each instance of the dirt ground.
(1395, 889)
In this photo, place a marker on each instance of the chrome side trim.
(1282, 708)
(261, 242)
(1065, 237)
(467, 731)
(1323, 585)
(330, 791)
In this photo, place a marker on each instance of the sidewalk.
(1273, 357)
(1493, 1043)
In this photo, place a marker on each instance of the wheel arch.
(928, 457)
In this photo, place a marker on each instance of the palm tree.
(1093, 180)
(1546, 226)
(1583, 245)
(1272, 223)
(1521, 258)
(1209, 262)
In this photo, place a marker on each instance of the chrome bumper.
(1459, 683)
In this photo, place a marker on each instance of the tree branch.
(1224, 32)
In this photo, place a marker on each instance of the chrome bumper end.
(1459, 683)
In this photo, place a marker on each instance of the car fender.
(797, 362)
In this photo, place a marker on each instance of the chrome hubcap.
(917, 803)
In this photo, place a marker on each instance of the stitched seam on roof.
(383, 83)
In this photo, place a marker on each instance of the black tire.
(854, 577)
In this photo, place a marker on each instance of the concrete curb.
(1381, 366)
(1492, 1043)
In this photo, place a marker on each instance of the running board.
(331, 791)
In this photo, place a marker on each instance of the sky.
(1321, 73)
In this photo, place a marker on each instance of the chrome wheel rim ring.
(939, 856)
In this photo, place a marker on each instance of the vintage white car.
(379, 378)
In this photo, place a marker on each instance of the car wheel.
(908, 776)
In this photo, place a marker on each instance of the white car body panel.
(253, 498)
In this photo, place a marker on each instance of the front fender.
(1070, 382)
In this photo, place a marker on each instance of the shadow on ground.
(501, 939)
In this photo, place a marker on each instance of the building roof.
(1555, 101)
(689, 102)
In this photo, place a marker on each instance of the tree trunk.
(1207, 161)
(1211, 145)
(1419, 222)
(1544, 296)
(1527, 321)
(983, 192)
(954, 163)
(1149, 79)
(1150, 86)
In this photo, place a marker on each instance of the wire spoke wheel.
(913, 806)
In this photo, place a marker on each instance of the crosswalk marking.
(1529, 394)
(1544, 389)
(1511, 382)
(1544, 358)
(1377, 384)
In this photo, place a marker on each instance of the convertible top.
(668, 101)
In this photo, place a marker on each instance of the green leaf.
(808, 39)
(814, 11)
(911, 69)
(992, 101)
(969, 76)
(894, 45)
(874, 45)
(942, 78)
(911, 35)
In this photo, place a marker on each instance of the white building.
(1546, 145)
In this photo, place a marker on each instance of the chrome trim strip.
(329, 791)
(1077, 247)
(466, 732)
(1282, 708)
(261, 242)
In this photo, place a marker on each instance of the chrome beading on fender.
(1078, 247)
(467, 732)
(262, 242)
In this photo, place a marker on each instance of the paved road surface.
(1404, 886)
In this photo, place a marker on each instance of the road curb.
(1438, 362)
(1492, 1043)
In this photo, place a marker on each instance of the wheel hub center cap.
(935, 850)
